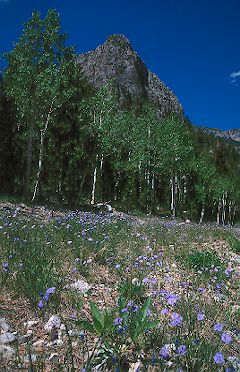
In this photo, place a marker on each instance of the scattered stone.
(6, 351)
(25, 338)
(30, 323)
(32, 357)
(54, 358)
(53, 322)
(63, 327)
(38, 345)
(4, 325)
(7, 338)
(134, 367)
(80, 285)
(73, 333)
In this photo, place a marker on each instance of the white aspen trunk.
(218, 212)
(202, 213)
(153, 181)
(234, 213)
(184, 189)
(40, 158)
(224, 203)
(229, 212)
(140, 178)
(94, 182)
(101, 163)
(172, 197)
(115, 188)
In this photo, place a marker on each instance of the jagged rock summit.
(116, 60)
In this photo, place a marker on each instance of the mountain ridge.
(115, 59)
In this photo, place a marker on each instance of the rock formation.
(116, 60)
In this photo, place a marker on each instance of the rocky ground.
(49, 339)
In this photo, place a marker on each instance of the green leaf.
(86, 325)
(96, 314)
(145, 308)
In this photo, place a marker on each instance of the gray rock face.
(116, 60)
(4, 325)
(231, 134)
(7, 338)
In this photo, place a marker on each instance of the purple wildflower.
(219, 358)
(200, 316)
(176, 319)
(218, 327)
(40, 304)
(171, 298)
(164, 352)
(164, 311)
(182, 350)
(226, 338)
(117, 321)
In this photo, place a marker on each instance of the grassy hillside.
(126, 293)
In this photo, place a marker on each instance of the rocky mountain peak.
(116, 60)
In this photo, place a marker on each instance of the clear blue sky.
(192, 45)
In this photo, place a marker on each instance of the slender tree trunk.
(234, 213)
(229, 212)
(172, 197)
(28, 161)
(184, 189)
(94, 181)
(140, 177)
(218, 212)
(40, 158)
(224, 203)
(202, 213)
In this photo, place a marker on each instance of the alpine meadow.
(119, 218)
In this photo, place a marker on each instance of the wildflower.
(164, 351)
(219, 358)
(130, 303)
(164, 311)
(200, 316)
(228, 271)
(226, 338)
(124, 310)
(201, 290)
(117, 266)
(171, 298)
(218, 327)
(176, 319)
(117, 321)
(40, 304)
(182, 350)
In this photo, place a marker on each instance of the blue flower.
(117, 321)
(200, 316)
(164, 352)
(219, 358)
(218, 327)
(182, 350)
(176, 319)
(226, 338)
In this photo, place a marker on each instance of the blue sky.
(192, 45)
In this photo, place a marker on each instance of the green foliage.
(31, 246)
(70, 145)
(204, 261)
(234, 244)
